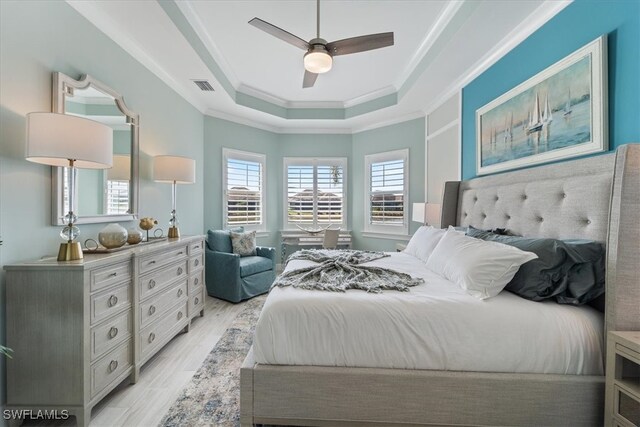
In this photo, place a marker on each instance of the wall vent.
(204, 85)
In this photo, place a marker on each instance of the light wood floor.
(163, 377)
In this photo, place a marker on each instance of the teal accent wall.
(410, 134)
(38, 38)
(575, 26)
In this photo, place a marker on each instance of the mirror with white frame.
(108, 195)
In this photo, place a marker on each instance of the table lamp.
(426, 213)
(75, 143)
(176, 170)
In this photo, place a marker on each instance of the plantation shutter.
(117, 197)
(300, 194)
(329, 194)
(244, 192)
(386, 192)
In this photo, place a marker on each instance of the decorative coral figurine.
(147, 223)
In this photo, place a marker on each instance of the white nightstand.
(401, 247)
(622, 405)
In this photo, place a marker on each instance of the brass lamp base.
(173, 232)
(70, 251)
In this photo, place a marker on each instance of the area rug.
(212, 398)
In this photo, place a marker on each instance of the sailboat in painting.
(508, 130)
(535, 121)
(547, 115)
(567, 106)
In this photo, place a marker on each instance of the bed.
(597, 198)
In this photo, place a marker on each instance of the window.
(244, 189)
(315, 191)
(387, 190)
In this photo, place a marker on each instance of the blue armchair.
(234, 278)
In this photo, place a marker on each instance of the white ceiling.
(439, 47)
(263, 62)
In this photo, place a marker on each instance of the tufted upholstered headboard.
(596, 198)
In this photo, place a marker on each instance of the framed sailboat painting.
(560, 112)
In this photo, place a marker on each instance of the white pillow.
(481, 268)
(423, 242)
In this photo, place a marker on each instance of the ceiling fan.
(319, 56)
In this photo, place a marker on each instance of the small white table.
(622, 405)
(300, 238)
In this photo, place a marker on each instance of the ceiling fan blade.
(279, 33)
(360, 44)
(309, 79)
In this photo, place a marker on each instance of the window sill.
(388, 236)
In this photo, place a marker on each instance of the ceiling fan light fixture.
(317, 61)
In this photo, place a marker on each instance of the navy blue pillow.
(569, 271)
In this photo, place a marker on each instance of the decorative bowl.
(134, 236)
(112, 236)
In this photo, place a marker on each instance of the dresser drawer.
(109, 302)
(153, 283)
(110, 334)
(196, 247)
(107, 369)
(156, 306)
(196, 262)
(151, 262)
(110, 275)
(196, 301)
(196, 280)
(156, 333)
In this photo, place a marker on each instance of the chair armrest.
(267, 253)
(222, 263)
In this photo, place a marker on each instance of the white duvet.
(435, 325)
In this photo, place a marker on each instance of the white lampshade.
(121, 170)
(53, 139)
(426, 213)
(182, 170)
(318, 61)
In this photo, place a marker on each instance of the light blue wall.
(219, 134)
(38, 38)
(410, 134)
(575, 26)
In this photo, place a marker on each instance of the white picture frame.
(523, 127)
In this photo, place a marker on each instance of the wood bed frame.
(596, 198)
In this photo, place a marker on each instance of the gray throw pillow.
(569, 271)
(244, 244)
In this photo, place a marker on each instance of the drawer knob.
(195, 281)
(152, 310)
(196, 262)
(113, 365)
(113, 332)
(114, 274)
(113, 300)
(196, 247)
(180, 253)
(179, 271)
(152, 337)
(179, 315)
(196, 301)
(179, 293)
(152, 284)
(153, 261)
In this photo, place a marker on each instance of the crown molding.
(198, 26)
(534, 21)
(378, 93)
(240, 120)
(443, 20)
(112, 30)
(399, 119)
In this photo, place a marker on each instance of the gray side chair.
(234, 278)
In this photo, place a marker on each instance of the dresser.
(80, 328)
